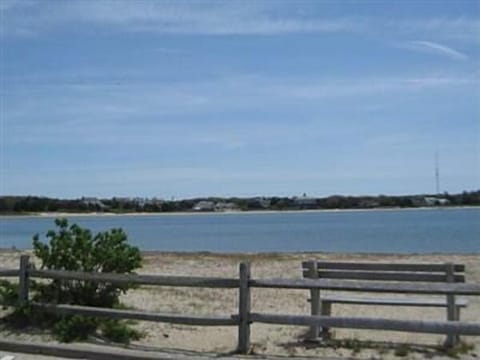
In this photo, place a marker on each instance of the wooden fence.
(245, 317)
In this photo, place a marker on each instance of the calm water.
(402, 231)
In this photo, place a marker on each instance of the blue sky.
(239, 98)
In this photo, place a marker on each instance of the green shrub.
(8, 293)
(402, 350)
(75, 327)
(460, 349)
(72, 248)
(119, 331)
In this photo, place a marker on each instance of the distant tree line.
(36, 204)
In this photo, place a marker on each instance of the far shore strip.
(233, 212)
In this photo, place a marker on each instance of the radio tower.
(437, 174)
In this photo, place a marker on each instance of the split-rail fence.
(246, 316)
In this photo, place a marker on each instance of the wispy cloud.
(434, 48)
(452, 28)
(15, 4)
(214, 109)
(238, 91)
(207, 18)
(219, 18)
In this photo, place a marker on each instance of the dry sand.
(269, 339)
(57, 214)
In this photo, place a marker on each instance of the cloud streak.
(29, 18)
(206, 18)
(237, 92)
(451, 28)
(435, 48)
(217, 109)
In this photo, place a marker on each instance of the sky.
(238, 98)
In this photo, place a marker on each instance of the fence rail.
(187, 281)
(368, 286)
(435, 267)
(245, 317)
(429, 327)
(137, 315)
(8, 272)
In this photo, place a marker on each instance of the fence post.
(23, 280)
(452, 339)
(312, 268)
(244, 310)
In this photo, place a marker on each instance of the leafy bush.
(8, 293)
(73, 248)
(118, 331)
(75, 327)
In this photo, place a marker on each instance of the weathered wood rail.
(181, 281)
(368, 286)
(137, 315)
(8, 272)
(245, 316)
(429, 327)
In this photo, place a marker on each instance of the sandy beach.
(59, 214)
(269, 339)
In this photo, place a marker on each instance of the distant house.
(122, 200)
(418, 201)
(304, 201)
(144, 202)
(225, 206)
(204, 206)
(140, 202)
(154, 201)
(434, 201)
(264, 202)
(93, 201)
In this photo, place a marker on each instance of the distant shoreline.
(278, 255)
(238, 212)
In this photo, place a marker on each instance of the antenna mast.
(437, 173)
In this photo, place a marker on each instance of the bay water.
(435, 230)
